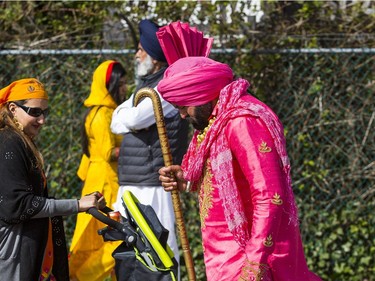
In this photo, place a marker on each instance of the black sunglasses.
(34, 111)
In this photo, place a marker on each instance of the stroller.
(144, 254)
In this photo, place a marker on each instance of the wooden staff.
(167, 156)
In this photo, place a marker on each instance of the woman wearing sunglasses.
(32, 239)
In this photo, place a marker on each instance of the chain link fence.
(326, 101)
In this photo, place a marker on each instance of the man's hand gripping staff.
(171, 178)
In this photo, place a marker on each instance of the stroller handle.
(106, 210)
(130, 237)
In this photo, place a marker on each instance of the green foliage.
(48, 24)
(192, 222)
(342, 247)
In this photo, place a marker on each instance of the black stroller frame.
(144, 254)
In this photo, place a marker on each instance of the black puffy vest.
(140, 155)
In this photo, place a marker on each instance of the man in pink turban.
(238, 163)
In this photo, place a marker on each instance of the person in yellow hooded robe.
(90, 257)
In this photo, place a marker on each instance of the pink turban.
(194, 81)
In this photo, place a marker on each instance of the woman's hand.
(93, 200)
(171, 178)
(101, 200)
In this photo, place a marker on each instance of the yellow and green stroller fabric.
(144, 253)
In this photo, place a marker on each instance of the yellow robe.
(90, 257)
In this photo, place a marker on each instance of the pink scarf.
(216, 146)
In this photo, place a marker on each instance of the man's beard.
(202, 114)
(145, 67)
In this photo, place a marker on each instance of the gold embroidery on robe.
(254, 271)
(205, 197)
(264, 148)
(268, 242)
(276, 199)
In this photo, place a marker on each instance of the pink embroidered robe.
(270, 248)
(274, 251)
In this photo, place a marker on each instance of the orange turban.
(23, 89)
